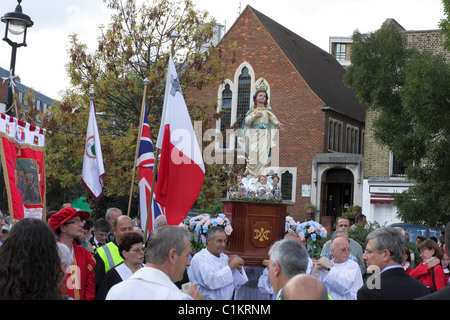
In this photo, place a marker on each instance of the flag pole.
(155, 168)
(146, 82)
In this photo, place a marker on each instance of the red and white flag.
(22, 147)
(181, 169)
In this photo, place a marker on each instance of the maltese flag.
(181, 169)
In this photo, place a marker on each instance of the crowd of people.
(72, 257)
(387, 273)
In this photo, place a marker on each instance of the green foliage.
(359, 234)
(135, 45)
(215, 208)
(351, 212)
(408, 90)
(445, 23)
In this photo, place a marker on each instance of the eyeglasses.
(344, 249)
(138, 250)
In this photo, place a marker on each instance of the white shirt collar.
(150, 274)
(391, 267)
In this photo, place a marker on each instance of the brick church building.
(320, 151)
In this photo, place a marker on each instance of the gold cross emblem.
(261, 235)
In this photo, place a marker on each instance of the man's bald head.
(304, 287)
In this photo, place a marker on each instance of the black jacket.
(395, 284)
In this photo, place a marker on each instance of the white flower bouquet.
(309, 232)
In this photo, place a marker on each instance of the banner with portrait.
(22, 147)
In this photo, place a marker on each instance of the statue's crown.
(261, 86)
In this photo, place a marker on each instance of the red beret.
(64, 215)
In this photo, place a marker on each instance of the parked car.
(415, 230)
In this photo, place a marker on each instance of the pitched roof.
(318, 68)
(23, 88)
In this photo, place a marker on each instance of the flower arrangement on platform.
(309, 231)
(240, 192)
(199, 225)
(249, 190)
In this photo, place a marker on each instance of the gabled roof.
(318, 68)
(24, 89)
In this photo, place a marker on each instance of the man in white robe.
(341, 276)
(217, 275)
(166, 256)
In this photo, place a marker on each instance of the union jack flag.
(145, 164)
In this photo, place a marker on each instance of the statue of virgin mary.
(259, 132)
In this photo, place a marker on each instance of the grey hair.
(64, 254)
(291, 236)
(338, 231)
(290, 255)
(210, 234)
(390, 239)
(111, 210)
(164, 239)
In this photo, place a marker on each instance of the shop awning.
(381, 199)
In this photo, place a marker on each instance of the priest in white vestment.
(341, 276)
(217, 275)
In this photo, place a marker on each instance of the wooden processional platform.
(256, 226)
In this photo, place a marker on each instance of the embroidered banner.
(22, 153)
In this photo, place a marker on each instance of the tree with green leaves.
(135, 45)
(445, 24)
(409, 91)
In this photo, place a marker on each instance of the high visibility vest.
(110, 255)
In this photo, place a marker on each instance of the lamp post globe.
(17, 24)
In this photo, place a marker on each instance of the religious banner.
(22, 147)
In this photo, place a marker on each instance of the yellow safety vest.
(110, 255)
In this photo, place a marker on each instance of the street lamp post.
(16, 29)
(174, 37)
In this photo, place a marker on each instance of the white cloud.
(41, 64)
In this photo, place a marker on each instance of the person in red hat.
(79, 282)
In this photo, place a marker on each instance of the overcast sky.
(41, 65)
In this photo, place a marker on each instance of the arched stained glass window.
(286, 185)
(244, 89)
(225, 121)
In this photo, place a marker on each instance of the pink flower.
(228, 230)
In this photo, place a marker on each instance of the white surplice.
(213, 276)
(343, 280)
(147, 284)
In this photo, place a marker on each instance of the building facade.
(383, 174)
(320, 152)
(42, 101)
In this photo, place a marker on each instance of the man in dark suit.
(444, 293)
(385, 249)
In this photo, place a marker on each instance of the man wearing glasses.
(79, 282)
(341, 276)
(385, 250)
